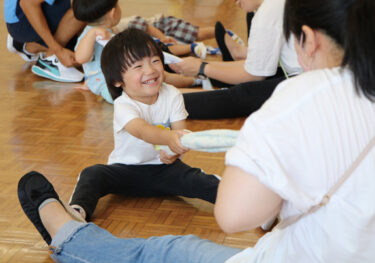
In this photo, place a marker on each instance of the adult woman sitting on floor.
(310, 144)
(253, 79)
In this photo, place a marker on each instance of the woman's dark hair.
(350, 23)
(92, 10)
(121, 52)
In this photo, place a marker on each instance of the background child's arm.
(153, 31)
(85, 48)
(154, 135)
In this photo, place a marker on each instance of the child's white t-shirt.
(267, 44)
(128, 149)
(299, 144)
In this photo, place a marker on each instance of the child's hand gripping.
(175, 146)
(174, 142)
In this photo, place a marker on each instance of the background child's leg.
(205, 33)
(68, 27)
(177, 28)
(198, 49)
(180, 49)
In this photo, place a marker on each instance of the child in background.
(101, 17)
(132, 64)
(168, 29)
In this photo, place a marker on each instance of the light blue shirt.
(93, 73)
(13, 11)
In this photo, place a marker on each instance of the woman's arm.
(155, 32)
(232, 72)
(243, 202)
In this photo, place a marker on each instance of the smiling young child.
(102, 16)
(132, 65)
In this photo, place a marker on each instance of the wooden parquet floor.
(57, 130)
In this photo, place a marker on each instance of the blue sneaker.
(51, 68)
(213, 51)
(19, 48)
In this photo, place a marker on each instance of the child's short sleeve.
(178, 111)
(123, 113)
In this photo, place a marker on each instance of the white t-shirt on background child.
(128, 149)
(267, 44)
(299, 144)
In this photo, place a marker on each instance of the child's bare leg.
(180, 49)
(206, 33)
(54, 216)
(198, 49)
(177, 80)
(68, 27)
(237, 51)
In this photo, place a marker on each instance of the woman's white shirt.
(267, 44)
(299, 144)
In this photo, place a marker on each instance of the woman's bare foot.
(237, 51)
(54, 216)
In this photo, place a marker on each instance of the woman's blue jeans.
(79, 242)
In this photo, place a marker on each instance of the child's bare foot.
(82, 87)
(237, 51)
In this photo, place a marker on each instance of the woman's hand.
(188, 66)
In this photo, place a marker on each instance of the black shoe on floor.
(219, 36)
(33, 189)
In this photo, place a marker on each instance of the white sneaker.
(19, 48)
(200, 50)
(51, 68)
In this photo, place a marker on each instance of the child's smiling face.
(142, 80)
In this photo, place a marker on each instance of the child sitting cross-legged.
(132, 64)
(101, 16)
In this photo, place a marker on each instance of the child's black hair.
(121, 52)
(91, 11)
(350, 23)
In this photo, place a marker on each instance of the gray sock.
(47, 201)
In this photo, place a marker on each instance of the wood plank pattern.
(55, 129)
